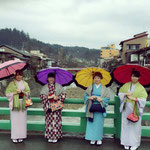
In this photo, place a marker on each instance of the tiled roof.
(16, 50)
(132, 39)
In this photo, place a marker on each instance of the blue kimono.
(94, 130)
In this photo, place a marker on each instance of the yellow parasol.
(84, 78)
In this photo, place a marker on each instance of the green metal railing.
(113, 129)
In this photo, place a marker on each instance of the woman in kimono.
(53, 120)
(95, 120)
(17, 92)
(130, 93)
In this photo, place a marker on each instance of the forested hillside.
(73, 55)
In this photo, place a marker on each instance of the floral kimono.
(131, 132)
(17, 109)
(53, 120)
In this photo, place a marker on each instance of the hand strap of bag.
(135, 101)
(134, 106)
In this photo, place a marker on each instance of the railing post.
(83, 124)
(117, 121)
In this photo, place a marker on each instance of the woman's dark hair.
(136, 74)
(19, 72)
(51, 75)
(97, 74)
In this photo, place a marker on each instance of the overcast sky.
(88, 23)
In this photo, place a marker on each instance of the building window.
(133, 46)
(134, 57)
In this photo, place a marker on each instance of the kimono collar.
(97, 85)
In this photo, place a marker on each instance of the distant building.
(38, 53)
(9, 53)
(35, 58)
(139, 41)
(109, 52)
(141, 57)
(42, 60)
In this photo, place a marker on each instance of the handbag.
(29, 102)
(133, 117)
(55, 104)
(97, 108)
(21, 95)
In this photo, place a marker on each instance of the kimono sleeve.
(62, 93)
(10, 94)
(45, 101)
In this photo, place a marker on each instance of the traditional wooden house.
(9, 53)
(36, 62)
(141, 56)
(139, 41)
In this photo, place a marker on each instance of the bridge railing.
(33, 125)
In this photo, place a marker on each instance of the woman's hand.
(99, 99)
(91, 97)
(55, 97)
(24, 93)
(132, 98)
(52, 96)
(128, 94)
(17, 91)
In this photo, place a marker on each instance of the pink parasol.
(8, 68)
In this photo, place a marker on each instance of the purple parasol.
(62, 76)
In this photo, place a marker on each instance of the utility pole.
(62, 57)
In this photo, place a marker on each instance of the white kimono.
(131, 132)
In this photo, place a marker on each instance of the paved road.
(37, 142)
